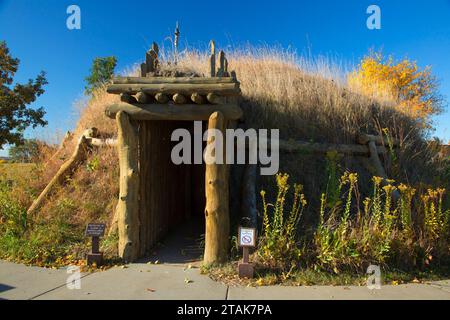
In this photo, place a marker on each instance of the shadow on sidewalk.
(184, 244)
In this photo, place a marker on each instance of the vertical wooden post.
(212, 59)
(128, 205)
(217, 194)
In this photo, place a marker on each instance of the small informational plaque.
(247, 237)
(95, 230)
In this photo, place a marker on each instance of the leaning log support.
(217, 196)
(127, 207)
(78, 156)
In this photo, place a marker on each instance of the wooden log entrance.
(156, 194)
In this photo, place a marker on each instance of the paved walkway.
(143, 281)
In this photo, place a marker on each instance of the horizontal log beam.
(177, 80)
(95, 142)
(225, 89)
(187, 112)
(349, 149)
(366, 138)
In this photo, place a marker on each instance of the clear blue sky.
(36, 32)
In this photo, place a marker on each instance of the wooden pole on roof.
(176, 42)
(212, 59)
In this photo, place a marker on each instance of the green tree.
(102, 71)
(15, 113)
(26, 152)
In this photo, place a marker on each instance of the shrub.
(403, 82)
(404, 233)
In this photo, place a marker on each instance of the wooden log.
(144, 98)
(161, 98)
(189, 112)
(221, 71)
(179, 98)
(66, 169)
(379, 140)
(249, 194)
(172, 88)
(95, 142)
(214, 98)
(198, 98)
(212, 59)
(217, 201)
(172, 80)
(127, 98)
(301, 146)
(128, 205)
(143, 69)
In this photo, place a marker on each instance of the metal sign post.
(95, 230)
(247, 240)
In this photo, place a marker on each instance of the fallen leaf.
(151, 290)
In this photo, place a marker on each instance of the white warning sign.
(247, 237)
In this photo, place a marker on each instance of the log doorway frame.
(217, 215)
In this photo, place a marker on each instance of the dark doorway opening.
(172, 197)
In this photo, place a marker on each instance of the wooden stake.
(128, 205)
(217, 196)
(212, 59)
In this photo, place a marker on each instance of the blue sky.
(36, 32)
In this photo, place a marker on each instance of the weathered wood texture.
(172, 88)
(366, 138)
(301, 146)
(187, 112)
(198, 98)
(127, 207)
(217, 202)
(179, 98)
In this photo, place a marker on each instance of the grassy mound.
(307, 100)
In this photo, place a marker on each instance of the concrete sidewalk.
(157, 282)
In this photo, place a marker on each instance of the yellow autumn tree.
(415, 90)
